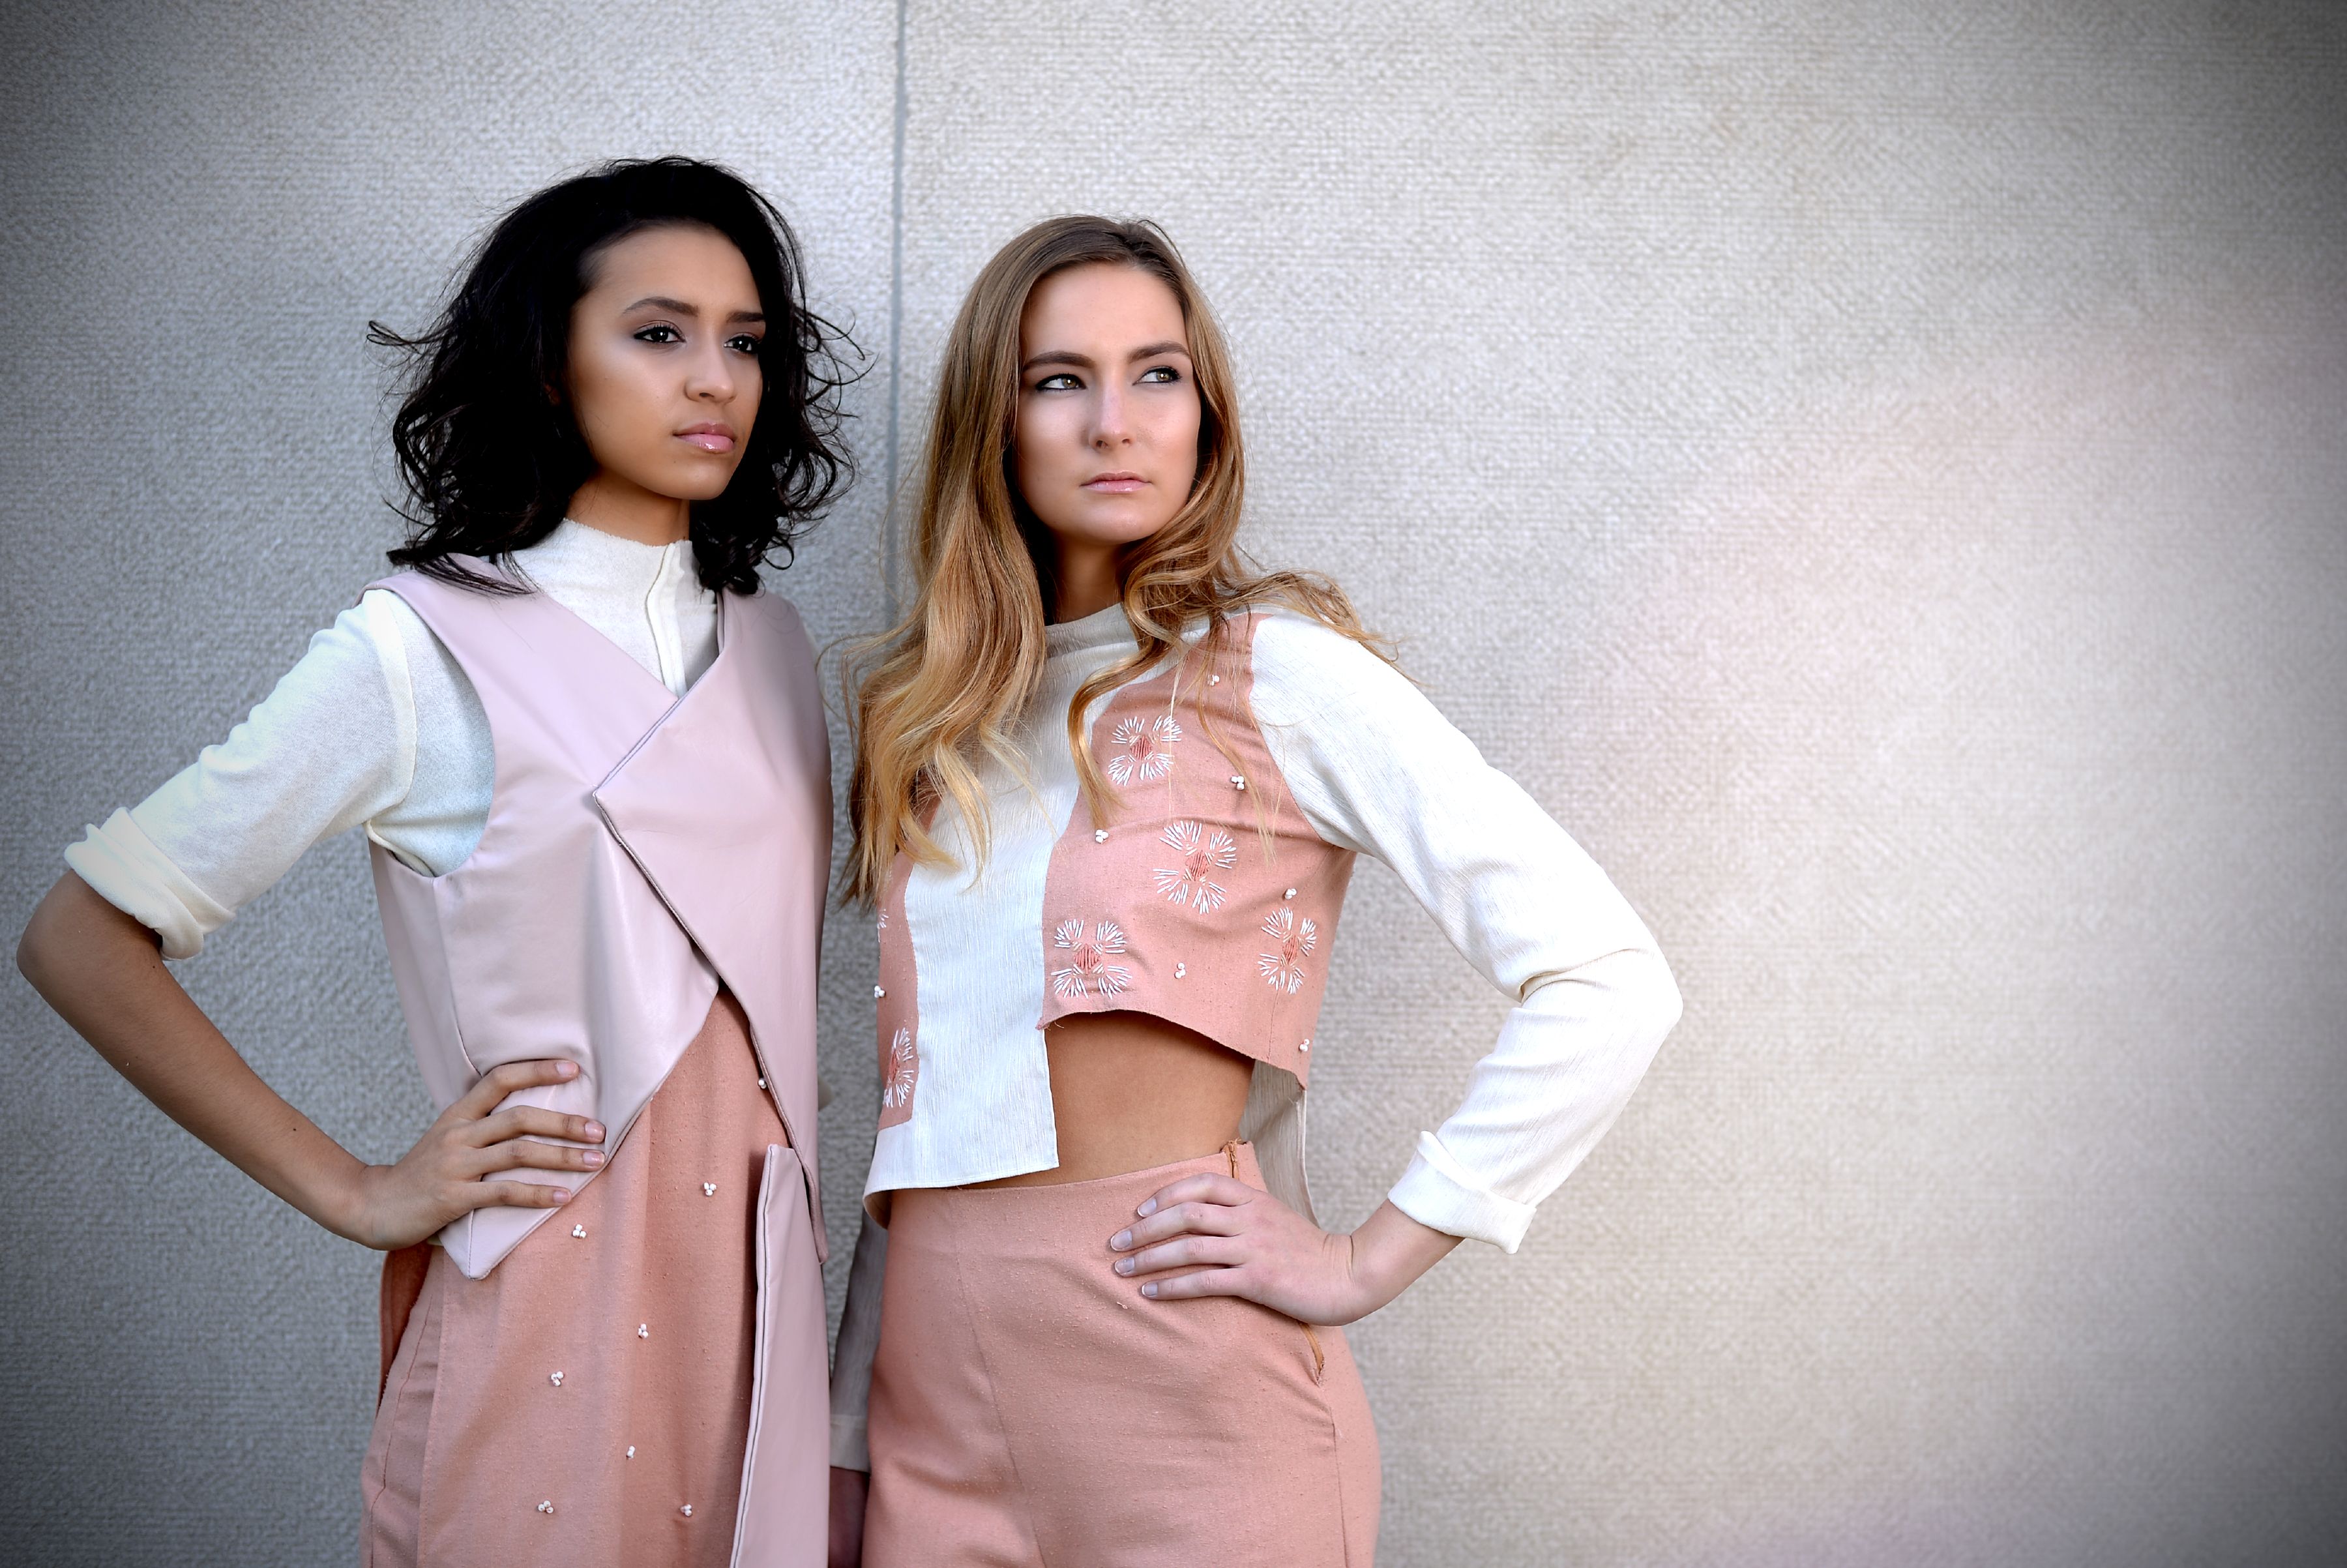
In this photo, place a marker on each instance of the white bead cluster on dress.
(688, 1511)
(578, 1231)
(878, 992)
(1180, 970)
(708, 1189)
(643, 1330)
(545, 1507)
(631, 1450)
(556, 1380)
(1238, 783)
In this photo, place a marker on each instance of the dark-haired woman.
(1111, 783)
(589, 759)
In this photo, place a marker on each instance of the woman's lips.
(708, 437)
(1115, 484)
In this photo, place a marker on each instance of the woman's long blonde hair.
(940, 690)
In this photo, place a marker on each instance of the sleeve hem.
(1437, 1191)
(849, 1448)
(123, 867)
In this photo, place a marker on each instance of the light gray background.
(1877, 472)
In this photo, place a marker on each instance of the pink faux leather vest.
(628, 826)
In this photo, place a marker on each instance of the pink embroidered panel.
(897, 1002)
(1209, 900)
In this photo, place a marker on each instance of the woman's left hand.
(1255, 1246)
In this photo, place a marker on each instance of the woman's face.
(1107, 440)
(664, 376)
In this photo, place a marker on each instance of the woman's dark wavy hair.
(490, 460)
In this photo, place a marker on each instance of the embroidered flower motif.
(1204, 850)
(1297, 938)
(1148, 749)
(903, 1063)
(1088, 968)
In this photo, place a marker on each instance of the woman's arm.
(104, 973)
(851, 1393)
(1376, 768)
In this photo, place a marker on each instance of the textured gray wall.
(1878, 473)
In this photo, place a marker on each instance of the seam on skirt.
(391, 1407)
(994, 1404)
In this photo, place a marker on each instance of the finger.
(1202, 1189)
(1184, 1253)
(1181, 1219)
(499, 1081)
(529, 1154)
(1204, 1282)
(515, 1121)
(512, 1195)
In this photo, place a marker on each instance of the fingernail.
(1149, 1289)
(1120, 1241)
(594, 1130)
(566, 1070)
(563, 1195)
(591, 1157)
(1147, 1209)
(1124, 1266)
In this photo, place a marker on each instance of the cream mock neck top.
(374, 726)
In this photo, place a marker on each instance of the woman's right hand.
(442, 1178)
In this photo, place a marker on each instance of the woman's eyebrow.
(678, 307)
(1084, 362)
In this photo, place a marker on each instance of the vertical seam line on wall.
(888, 531)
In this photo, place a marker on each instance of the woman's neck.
(1086, 582)
(611, 505)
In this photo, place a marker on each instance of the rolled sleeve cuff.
(1439, 1192)
(849, 1448)
(123, 867)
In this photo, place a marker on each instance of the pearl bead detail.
(1100, 835)
(1289, 894)
(879, 991)
(688, 1511)
(578, 1231)
(545, 1507)
(708, 1189)
(1181, 972)
(643, 1330)
(556, 1380)
(1238, 782)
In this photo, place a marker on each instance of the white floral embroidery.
(1088, 968)
(1297, 938)
(904, 1063)
(1202, 850)
(1148, 749)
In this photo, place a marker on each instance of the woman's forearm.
(1390, 1252)
(102, 971)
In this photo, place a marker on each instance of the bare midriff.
(1131, 1090)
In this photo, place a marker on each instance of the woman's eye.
(660, 331)
(1064, 381)
(1162, 375)
(745, 344)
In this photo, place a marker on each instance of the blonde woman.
(1109, 788)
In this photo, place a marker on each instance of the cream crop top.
(1211, 897)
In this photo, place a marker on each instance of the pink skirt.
(1028, 1406)
(633, 1455)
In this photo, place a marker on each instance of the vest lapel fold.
(725, 806)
